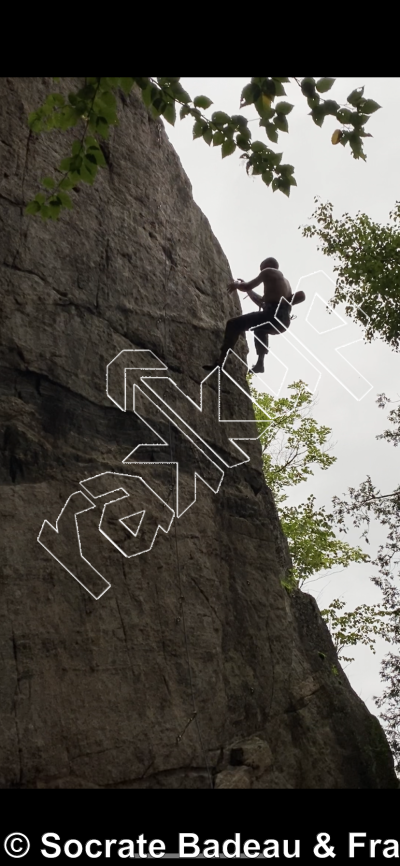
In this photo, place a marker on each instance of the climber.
(273, 317)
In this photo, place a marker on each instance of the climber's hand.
(236, 285)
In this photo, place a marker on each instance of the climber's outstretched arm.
(245, 287)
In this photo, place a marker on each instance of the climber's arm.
(258, 299)
(245, 287)
(298, 298)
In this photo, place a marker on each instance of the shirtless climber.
(274, 314)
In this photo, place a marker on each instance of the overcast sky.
(252, 223)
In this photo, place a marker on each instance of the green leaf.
(258, 146)
(98, 155)
(66, 183)
(86, 174)
(76, 147)
(281, 123)
(358, 120)
(107, 99)
(170, 113)
(220, 117)
(40, 198)
(245, 132)
(65, 200)
(109, 114)
(147, 94)
(48, 182)
(264, 108)
(208, 135)
(59, 100)
(198, 129)
(271, 132)
(158, 106)
(35, 122)
(45, 211)
(65, 164)
(184, 111)
(283, 107)
(267, 177)
(275, 184)
(228, 147)
(102, 127)
(269, 88)
(313, 101)
(218, 138)
(344, 115)
(180, 94)
(32, 208)
(240, 123)
(250, 94)
(76, 163)
(242, 141)
(369, 106)
(68, 117)
(330, 106)
(279, 89)
(90, 141)
(355, 96)
(324, 84)
(318, 115)
(202, 102)
(286, 169)
(308, 86)
(127, 84)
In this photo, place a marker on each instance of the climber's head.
(269, 263)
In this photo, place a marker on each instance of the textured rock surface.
(103, 693)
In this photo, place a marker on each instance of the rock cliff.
(195, 669)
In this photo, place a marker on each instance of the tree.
(361, 505)
(293, 444)
(93, 108)
(368, 268)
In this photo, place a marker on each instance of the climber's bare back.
(276, 286)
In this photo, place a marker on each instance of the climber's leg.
(272, 326)
(235, 327)
(262, 334)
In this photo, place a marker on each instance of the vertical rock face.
(195, 668)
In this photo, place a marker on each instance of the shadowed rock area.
(195, 669)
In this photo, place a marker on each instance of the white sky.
(252, 223)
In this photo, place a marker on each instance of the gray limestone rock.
(195, 669)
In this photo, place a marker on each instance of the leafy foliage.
(313, 543)
(368, 269)
(359, 626)
(361, 505)
(94, 108)
(293, 444)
